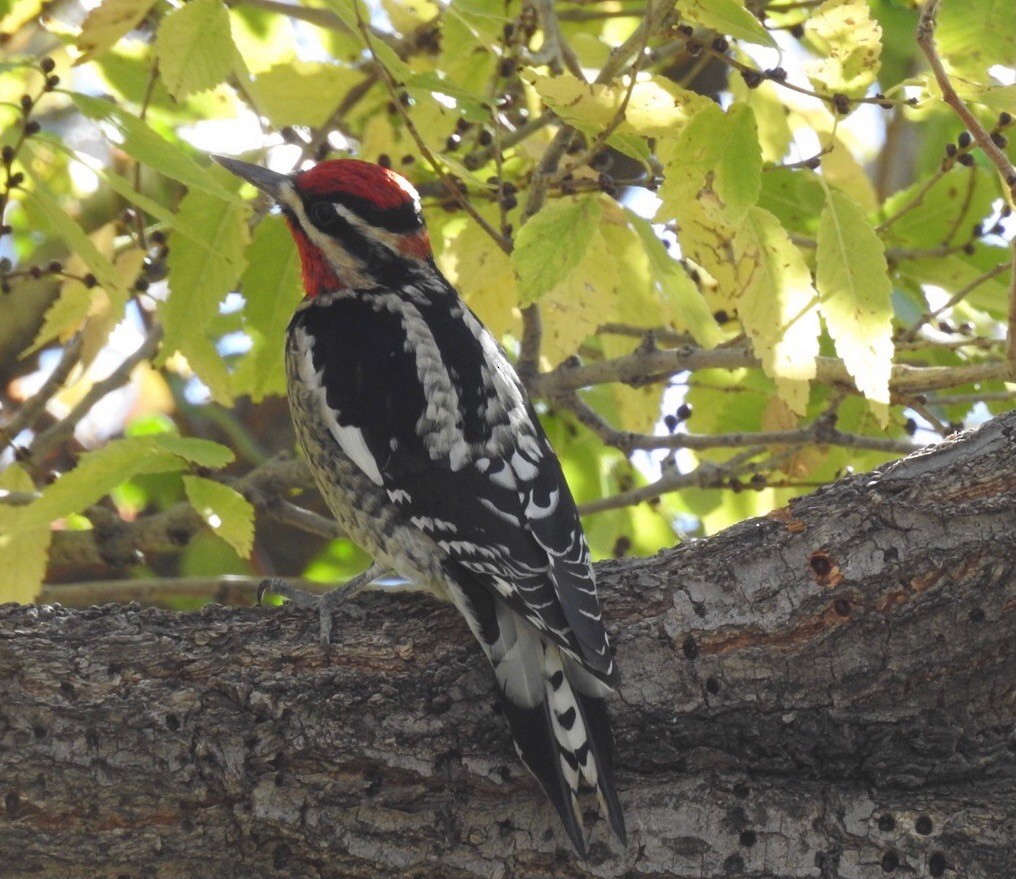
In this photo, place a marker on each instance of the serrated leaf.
(46, 215)
(854, 296)
(204, 358)
(107, 23)
(552, 243)
(200, 276)
(203, 452)
(656, 108)
(717, 162)
(24, 550)
(292, 93)
(484, 275)
(685, 309)
(271, 290)
(140, 142)
(729, 17)
(590, 108)
(849, 40)
(195, 47)
(778, 309)
(227, 512)
(774, 134)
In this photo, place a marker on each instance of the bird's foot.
(326, 602)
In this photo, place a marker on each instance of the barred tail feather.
(554, 706)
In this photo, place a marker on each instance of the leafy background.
(738, 249)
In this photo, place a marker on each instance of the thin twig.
(64, 429)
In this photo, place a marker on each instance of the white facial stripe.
(347, 268)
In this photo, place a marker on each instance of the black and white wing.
(430, 410)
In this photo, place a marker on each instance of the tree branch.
(823, 691)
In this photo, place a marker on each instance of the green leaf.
(687, 309)
(46, 215)
(717, 162)
(849, 40)
(195, 47)
(271, 289)
(227, 512)
(946, 212)
(107, 23)
(200, 275)
(975, 34)
(778, 309)
(24, 549)
(854, 289)
(552, 243)
(203, 452)
(291, 93)
(729, 17)
(139, 141)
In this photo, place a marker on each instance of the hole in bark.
(712, 686)
(748, 838)
(741, 791)
(842, 607)
(734, 864)
(67, 689)
(937, 864)
(689, 647)
(886, 823)
(923, 825)
(39, 732)
(172, 722)
(977, 615)
(11, 802)
(504, 773)
(821, 564)
(890, 861)
(280, 857)
(113, 669)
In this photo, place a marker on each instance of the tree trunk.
(829, 691)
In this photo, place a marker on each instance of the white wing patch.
(349, 437)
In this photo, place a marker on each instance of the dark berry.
(752, 78)
(157, 237)
(506, 67)
(26, 102)
(813, 163)
(453, 142)
(5, 265)
(966, 159)
(141, 285)
(31, 127)
(52, 82)
(777, 73)
(485, 138)
(509, 202)
(684, 412)
(720, 45)
(693, 47)
(999, 140)
(796, 31)
(384, 160)
(35, 272)
(89, 280)
(670, 422)
(910, 427)
(54, 267)
(7, 154)
(47, 65)
(841, 103)
(1004, 119)
(964, 139)
(950, 150)
(686, 29)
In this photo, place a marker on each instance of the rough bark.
(829, 691)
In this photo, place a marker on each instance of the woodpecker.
(427, 449)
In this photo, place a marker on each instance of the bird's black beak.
(267, 181)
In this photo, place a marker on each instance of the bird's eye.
(322, 212)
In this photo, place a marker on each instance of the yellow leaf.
(849, 40)
(484, 275)
(854, 287)
(23, 550)
(292, 93)
(729, 17)
(779, 308)
(107, 23)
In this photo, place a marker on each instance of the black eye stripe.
(399, 220)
